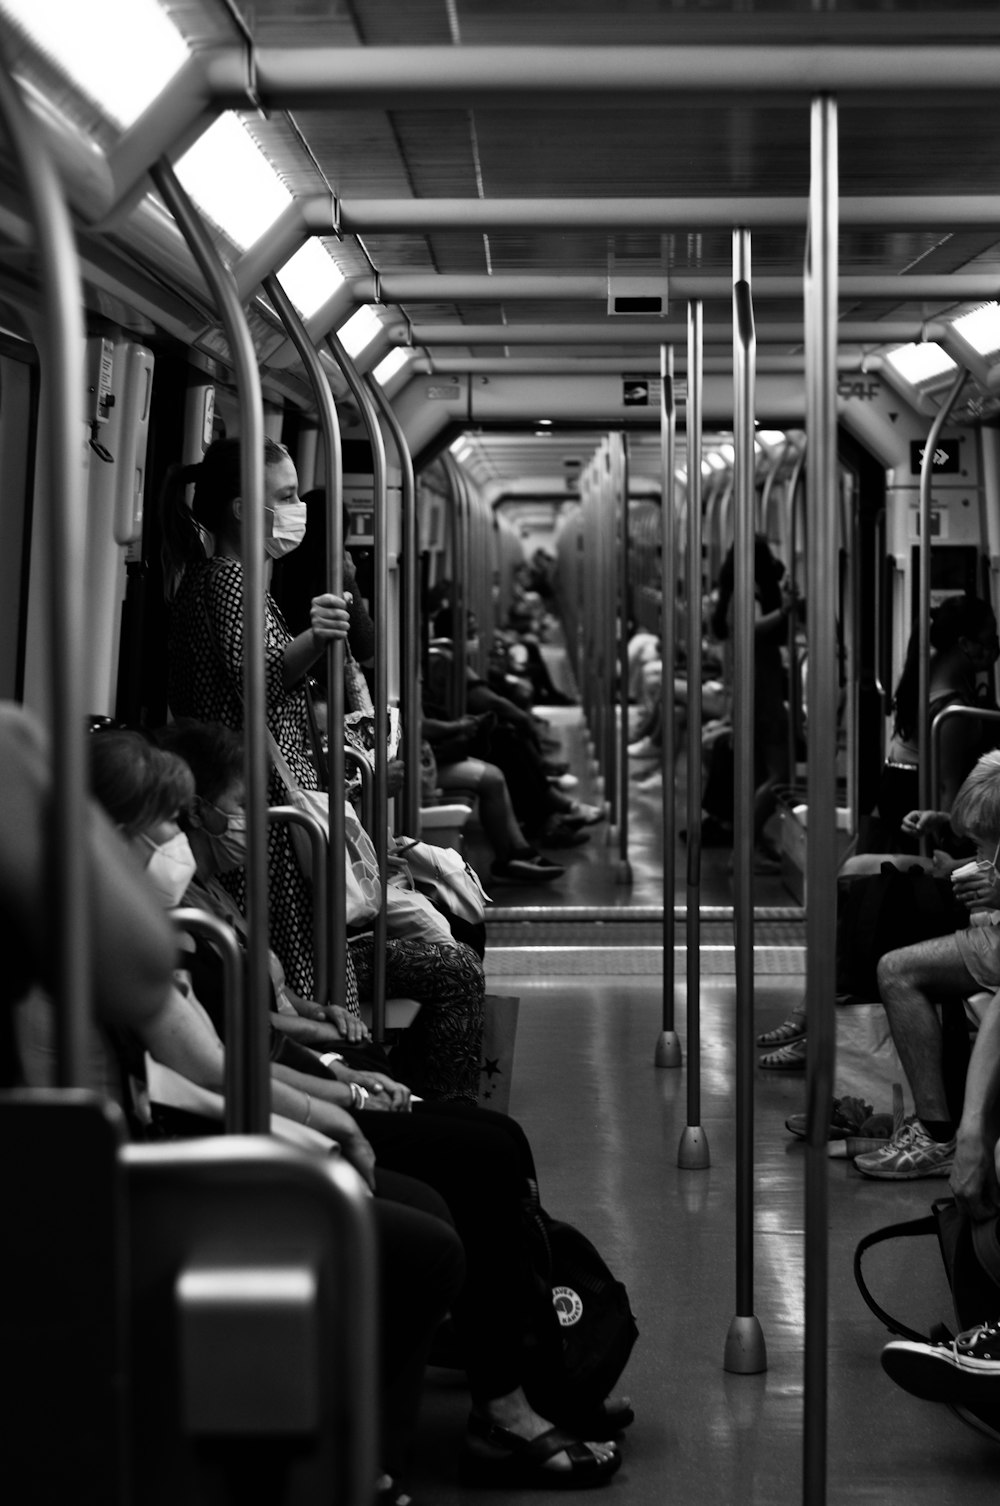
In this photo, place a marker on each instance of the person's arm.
(974, 1174)
(181, 1036)
(361, 633)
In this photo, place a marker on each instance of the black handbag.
(971, 1255)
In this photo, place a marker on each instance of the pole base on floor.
(668, 1050)
(623, 872)
(746, 1352)
(693, 1153)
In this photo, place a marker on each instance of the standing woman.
(204, 552)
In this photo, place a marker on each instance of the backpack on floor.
(971, 1255)
(588, 1329)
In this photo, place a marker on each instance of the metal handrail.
(244, 361)
(332, 916)
(320, 846)
(668, 1052)
(367, 775)
(822, 486)
(982, 714)
(693, 1152)
(745, 1352)
(924, 594)
(409, 625)
(61, 342)
(380, 819)
(238, 1090)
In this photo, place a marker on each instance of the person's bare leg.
(911, 981)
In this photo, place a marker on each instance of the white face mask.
(288, 529)
(171, 869)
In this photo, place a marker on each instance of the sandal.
(603, 1423)
(792, 1029)
(791, 1058)
(495, 1456)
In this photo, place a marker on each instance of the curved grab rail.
(238, 1090)
(364, 768)
(924, 595)
(61, 343)
(244, 361)
(983, 714)
(319, 846)
(409, 601)
(332, 915)
(380, 817)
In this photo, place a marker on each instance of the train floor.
(606, 1125)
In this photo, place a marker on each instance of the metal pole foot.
(746, 1352)
(623, 872)
(668, 1049)
(693, 1153)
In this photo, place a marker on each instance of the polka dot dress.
(205, 679)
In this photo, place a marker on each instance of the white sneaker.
(644, 748)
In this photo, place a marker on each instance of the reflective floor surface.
(606, 1126)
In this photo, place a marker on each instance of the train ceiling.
(491, 174)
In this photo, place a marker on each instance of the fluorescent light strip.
(393, 362)
(310, 277)
(920, 363)
(359, 331)
(121, 57)
(981, 328)
(233, 182)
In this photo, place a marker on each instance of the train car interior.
(564, 312)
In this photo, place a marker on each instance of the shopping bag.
(499, 1033)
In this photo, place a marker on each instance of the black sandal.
(602, 1424)
(495, 1456)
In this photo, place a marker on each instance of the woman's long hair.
(767, 573)
(217, 482)
(954, 618)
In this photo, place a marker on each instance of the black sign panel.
(946, 457)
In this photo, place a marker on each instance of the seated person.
(915, 979)
(478, 1162)
(440, 1052)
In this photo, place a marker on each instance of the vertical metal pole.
(924, 597)
(61, 341)
(668, 1046)
(244, 359)
(745, 1352)
(460, 577)
(693, 1153)
(334, 915)
(821, 425)
(609, 515)
(794, 677)
(409, 697)
(380, 591)
(623, 873)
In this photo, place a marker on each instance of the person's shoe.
(556, 835)
(535, 870)
(849, 1116)
(563, 781)
(580, 815)
(790, 1058)
(911, 1153)
(792, 1029)
(644, 748)
(653, 781)
(964, 1372)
